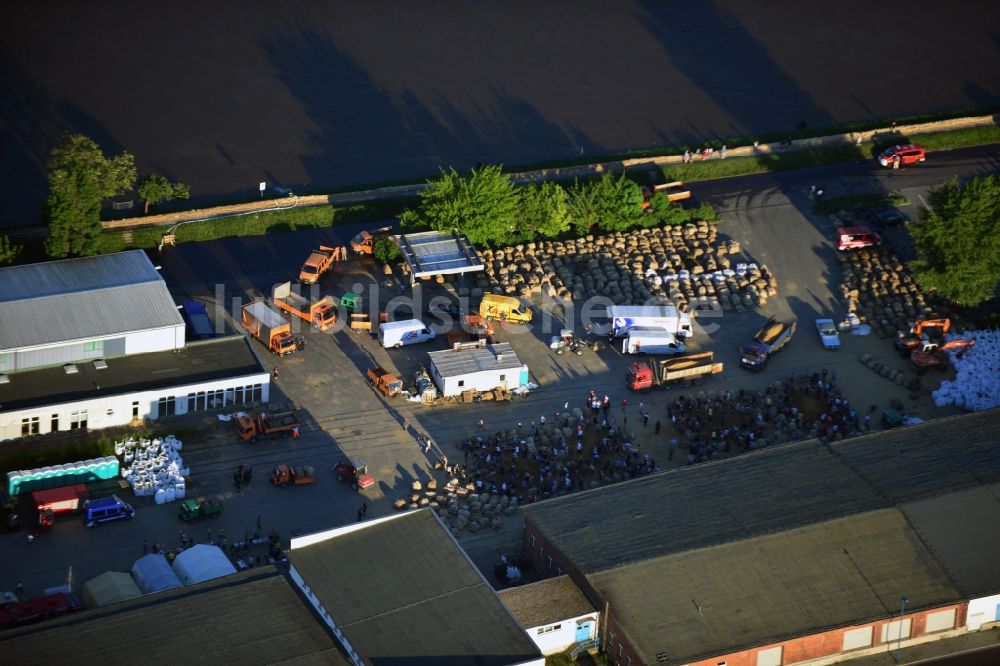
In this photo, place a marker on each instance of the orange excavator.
(932, 354)
(923, 331)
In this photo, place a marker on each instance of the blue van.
(106, 509)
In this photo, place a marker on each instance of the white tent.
(110, 588)
(152, 573)
(202, 562)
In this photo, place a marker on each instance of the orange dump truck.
(321, 313)
(319, 262)
(269, 327)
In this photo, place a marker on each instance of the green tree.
(612, 203)
(958, 241)
(80, 177)
(385, 250)
(544, 212)
(484, 205)
(8, 251)
(155, 189)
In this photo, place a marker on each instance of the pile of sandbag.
(154, 468)
(977, 373)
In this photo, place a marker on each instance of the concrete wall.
(117, 410)
(983, 611)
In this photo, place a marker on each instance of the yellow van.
(495, 306)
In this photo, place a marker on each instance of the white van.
(406, 332)
(651, 341)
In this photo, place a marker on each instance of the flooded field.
(313, 94)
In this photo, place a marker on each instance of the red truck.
(321, 313)
(53, 501)
(652, 374)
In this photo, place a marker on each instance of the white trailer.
(651, 341)
(665, 317)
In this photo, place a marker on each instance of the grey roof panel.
(546, 601)
(82, 299)
(458, 362)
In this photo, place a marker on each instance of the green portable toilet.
(351, 302)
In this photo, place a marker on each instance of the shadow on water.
(413, 135)
(732, 68)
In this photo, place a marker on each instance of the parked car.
(828, 334)
(906, 154)
(856, 238)
(888, 217)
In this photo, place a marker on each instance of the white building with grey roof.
(97, 342)
(477, 367)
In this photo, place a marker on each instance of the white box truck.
(406, 332)
(665, 317)
(646, 340)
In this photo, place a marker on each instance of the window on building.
(857, 638)
(4, 359)
(135, 409)
(461, 383)
(256, 393)
(611, 638)
(503, 378)
(230, 396)
(54, 424)
(216, 398)
(628, 661)
(166, 406)
(29, 426)
(94, 346)
(941, 621)
(559, 571)
(548, 629)
(550, 562)
(620, 649)
(894, 631)
(531, 540)
(769, 657)
(78, 420)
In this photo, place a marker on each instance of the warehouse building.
(97, 342)
(400, 590)
(88, 308)
(477, 367)
(794, 553)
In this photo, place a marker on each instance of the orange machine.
(364, 242)
(922, 332)
(269, 327)
(932, 354)
(321, 313)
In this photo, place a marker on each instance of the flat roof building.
(102, 393)
(400, 590)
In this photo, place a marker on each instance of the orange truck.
(321, 313)
(269, 327)
(281, 422)
(364, 242)
(385, 382)
(288, 475)
(319, 262)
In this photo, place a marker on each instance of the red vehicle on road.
(906, 155)
(856, 238)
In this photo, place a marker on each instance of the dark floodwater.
(222, 95)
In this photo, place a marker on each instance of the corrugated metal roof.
(458, 362)
(80, 299)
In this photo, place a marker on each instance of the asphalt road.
(224, 95)
(344, 417)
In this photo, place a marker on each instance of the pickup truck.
(319, 262)
(769, 340)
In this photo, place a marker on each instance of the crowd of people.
(582, 448)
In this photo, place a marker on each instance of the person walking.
(361, 515)
(238, 478)
(295, 432)
(248, 476)
(274, 374)
(687, 156)
(645, 419)
(722, 152)
(657, 428)
(258, 523)
(482, 424)
(19, 589)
